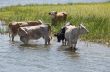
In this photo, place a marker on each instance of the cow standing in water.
(61, 34)
(35, 32)
(72, 34)
(13, 27)
(57, 17)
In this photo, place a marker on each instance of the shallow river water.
(36, 57)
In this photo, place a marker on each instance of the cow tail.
(50, 31)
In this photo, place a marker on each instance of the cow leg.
(70, 44)
(67, 43)
(47, 41)
(75, 45)
(12, 37)
(63, 43)
(9, 34)
(24, 39)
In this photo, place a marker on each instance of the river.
(36, 57)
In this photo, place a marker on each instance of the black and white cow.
(61, 34)
(70, 34)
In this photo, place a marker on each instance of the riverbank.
(96, 17)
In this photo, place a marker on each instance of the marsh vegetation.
(95, 16)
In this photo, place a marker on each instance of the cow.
(57, 16)
(72, 34)
(35, 32)
(61, 34)
(13, 27)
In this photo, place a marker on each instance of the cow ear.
(10, 24)
(18, 25)
(55, 12)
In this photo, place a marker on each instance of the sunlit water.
(36, 57)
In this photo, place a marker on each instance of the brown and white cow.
(57, 16)
(35, 32)
(13, 27)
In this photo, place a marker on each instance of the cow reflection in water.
(35, 32)
(71, 33)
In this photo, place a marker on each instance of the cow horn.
(40, 21)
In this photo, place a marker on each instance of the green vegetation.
(96, 17)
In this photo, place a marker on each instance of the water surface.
(36, 57)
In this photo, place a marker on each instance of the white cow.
(72, 34)
(34, 32)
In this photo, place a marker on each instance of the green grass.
(96, 17)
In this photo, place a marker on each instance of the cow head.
(52, 14)
(14, 27)
(83, 29)
(11, 25)
(60, 35)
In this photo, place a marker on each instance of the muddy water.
(36, 57)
